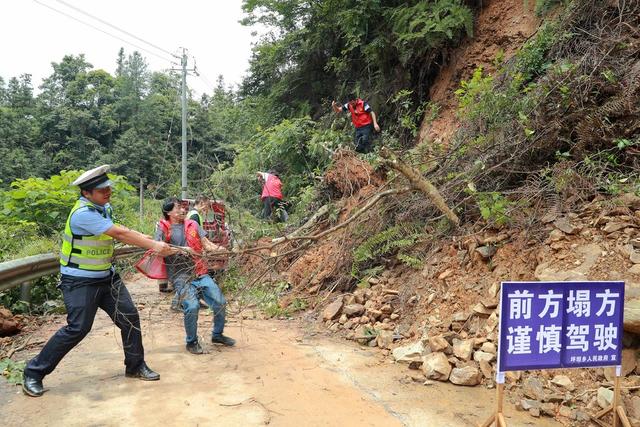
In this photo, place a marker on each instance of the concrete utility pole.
(184, 123)
(183, 99)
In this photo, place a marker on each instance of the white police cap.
(94, 178)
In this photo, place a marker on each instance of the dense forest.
(384, 51)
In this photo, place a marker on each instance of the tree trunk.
(419, 183)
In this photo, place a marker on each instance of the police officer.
(89, 281)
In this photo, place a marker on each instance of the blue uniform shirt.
(86, 221)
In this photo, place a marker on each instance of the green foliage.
(543, 6)
(385, 243)
(317, 51)
(46, 203)
(494, 208)
(428, 25)
(12, 371)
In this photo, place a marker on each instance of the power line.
(102, 31)
(114, 27)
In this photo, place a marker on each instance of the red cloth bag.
(152, 265)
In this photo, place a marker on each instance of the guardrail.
(22, 271)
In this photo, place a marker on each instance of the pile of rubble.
(9, 325)
(442, 322)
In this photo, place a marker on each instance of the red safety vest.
(193, 241)
(359, 117)
(272, 187)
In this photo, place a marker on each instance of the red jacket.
(193, 241)
(272, 187)
(359, 117)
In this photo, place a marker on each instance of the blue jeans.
(188, 295)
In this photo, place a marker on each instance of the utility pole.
(184, 123)
(183, 98)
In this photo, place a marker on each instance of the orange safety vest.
(359, 117)
(193, 241)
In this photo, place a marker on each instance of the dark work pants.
(364, 138)
(271, 204)
(82, 298)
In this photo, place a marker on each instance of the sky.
(33, 36)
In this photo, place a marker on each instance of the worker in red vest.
(190, 274)
(272, 195)
(364, 120)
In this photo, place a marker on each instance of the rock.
(582, 415)
(513, 376)
(534, 412)
(332, 310)
(634, 407)
(533, 388)
(445, 274)
(489, 347)
(494, 289)
(605, 397)
(373, 281)
(492, 322)
(409, 353)
(486, 252)
(554, 398)
(417, 377)
(374, 314)
(480, 308)
(635, 269)
(459, 317)
(635, 257)
(527, 404)
(386, 309)
(563, 381)
(548, 409)
(438, 343)
(481, 356)
(352, 310)
(349, 299)
(468, 375)
(463, 349)
(436, 366)
(614, 226)
(394, 316)
(628, 365)
(565, 411)
(565, 226)
(556, 235)
(343, 319)
(384, 339)
(485, 368)
(629, 200)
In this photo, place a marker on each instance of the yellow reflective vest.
(193, 212)
(92, 253)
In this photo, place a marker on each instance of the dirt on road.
(280, 373)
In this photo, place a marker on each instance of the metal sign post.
(552, 325)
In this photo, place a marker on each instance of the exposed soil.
(501, 26)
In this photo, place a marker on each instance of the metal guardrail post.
(25, 292)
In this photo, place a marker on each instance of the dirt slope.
(501, 26)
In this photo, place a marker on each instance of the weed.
(12, 371)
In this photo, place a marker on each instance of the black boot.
(223, 339)
(144, 373)
(195, 348)
(31, 386)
